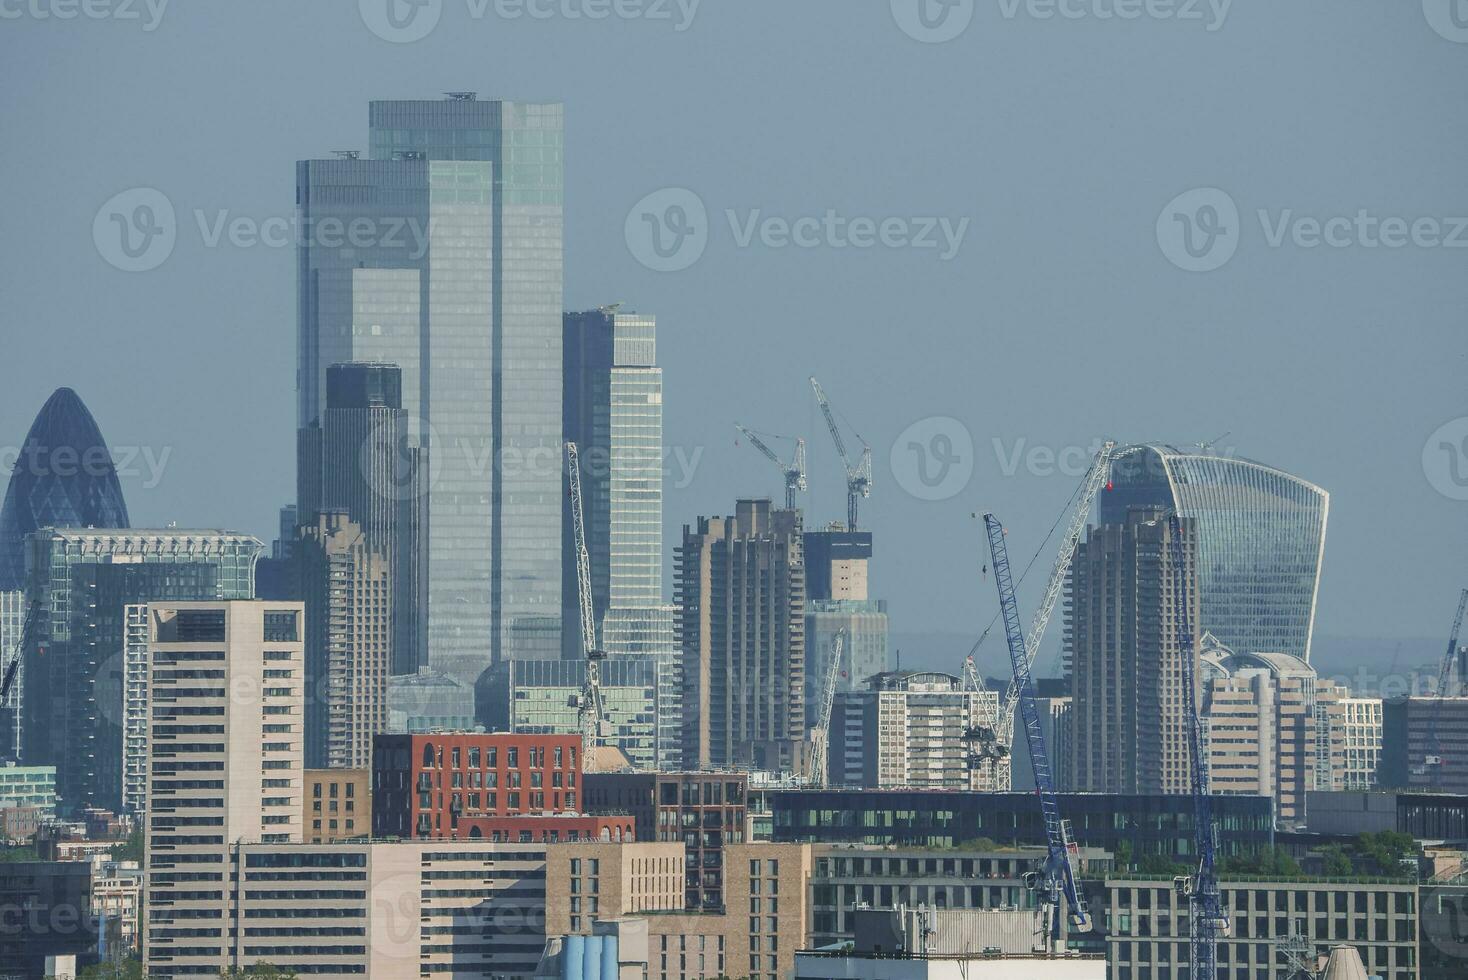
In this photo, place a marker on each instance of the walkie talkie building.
(1261, 537)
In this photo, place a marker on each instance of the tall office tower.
(1259, 710)
(225, 767)
(907, 730)
(613, 411)
(74, 708)
(357, 460)
(12, 621)
(1261, 537)
(63, 477)
(612, 407)
(348, 589)
(741, 597)
(837, 563)
(459, 284)
(1124, 664)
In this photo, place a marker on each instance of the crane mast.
(1003, 722)
(858, 475)
(1433, 763)
(11, 672)
(820, 747)
(1056, 882)
(1206, 918)
(794, 471)
(592, 714)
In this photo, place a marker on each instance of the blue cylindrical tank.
(573, 958)
(609, 958)
(591, 966)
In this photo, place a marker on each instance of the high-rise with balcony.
(1125, 666)
(458, 282)
(225, 768)
(741, 599)
(1261, 538)
(347, 586)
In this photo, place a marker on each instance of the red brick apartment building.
(466, 785)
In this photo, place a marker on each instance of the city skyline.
(1353, 322)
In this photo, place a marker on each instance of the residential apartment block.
(911, 730)
(225, 765)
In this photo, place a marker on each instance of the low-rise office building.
(1142, 824)
(338, 805)
(1145, 924)
(705, 811)
(847, 877)
(754, 933)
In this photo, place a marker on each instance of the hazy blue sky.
(1059, 319)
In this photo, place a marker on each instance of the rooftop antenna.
(462, 96)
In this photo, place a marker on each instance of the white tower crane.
(858, 475)
(794, 470)
(594, 727)
(821, 741)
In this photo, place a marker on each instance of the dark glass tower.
(63, 477)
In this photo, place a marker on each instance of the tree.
(130, 849)
(125, 970)
(263, 971)
(1337, 862)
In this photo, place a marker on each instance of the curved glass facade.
(1261, 536)
(63, 477)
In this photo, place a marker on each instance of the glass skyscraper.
(63, 477)
(455, 276)
(1261, 538)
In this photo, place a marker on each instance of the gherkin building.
(63, 476)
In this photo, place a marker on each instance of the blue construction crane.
(1433, 764)
(1057, 880)
(1207, 920)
